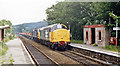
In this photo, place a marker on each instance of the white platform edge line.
(27, 52)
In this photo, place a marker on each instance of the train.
(55, 36)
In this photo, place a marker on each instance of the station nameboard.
(116, 28)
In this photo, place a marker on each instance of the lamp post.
(116, 33)
(116, 28)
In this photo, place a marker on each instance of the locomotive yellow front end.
(60, 37)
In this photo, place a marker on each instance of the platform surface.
(18, 53)
(95, 49)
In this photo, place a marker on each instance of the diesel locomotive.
(56, 36)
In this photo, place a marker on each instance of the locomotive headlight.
(58, 33)
(61, 37)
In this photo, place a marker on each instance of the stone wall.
(102, 41)
(89, 36)
(104, 36)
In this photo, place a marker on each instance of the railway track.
(33, 58)
(98, 55)
(38, 56)
(82, 59)
(85, 60)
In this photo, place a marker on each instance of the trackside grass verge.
(3, 49)
(113, 48)
(77, 41)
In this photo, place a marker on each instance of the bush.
(95, 44)
(11, 37)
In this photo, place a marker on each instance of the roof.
(50, 26)
(4, 27)
(92, 26)
(47, 26)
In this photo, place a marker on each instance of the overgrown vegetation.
(9, 35)
(113, 48)
(78, 14)
(3, 49)
(8, 61)
(77, 41)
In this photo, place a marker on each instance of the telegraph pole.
(115, 28)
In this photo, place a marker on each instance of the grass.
(3, 49)
(113, 48)
(8, 60)
(77, 41)
(3, 46)
(109, 47)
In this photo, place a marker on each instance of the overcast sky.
(24, 11)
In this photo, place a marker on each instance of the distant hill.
(28, 27)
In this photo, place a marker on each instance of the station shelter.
(2, 28)
(96, 34)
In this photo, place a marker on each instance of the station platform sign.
(116, 28)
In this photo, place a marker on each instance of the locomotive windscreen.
(58, 26)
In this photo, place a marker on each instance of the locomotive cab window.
(58, 26)
(64, 27)
(99, 35)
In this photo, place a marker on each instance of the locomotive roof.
(50, 26)
(47, 26)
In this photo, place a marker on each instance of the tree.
(8, 32)
(82, 13)
(115, 17)
(77, 14)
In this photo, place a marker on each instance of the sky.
(24, 11)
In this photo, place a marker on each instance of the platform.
(16, 49)
(95, 49)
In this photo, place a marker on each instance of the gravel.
(59, 58)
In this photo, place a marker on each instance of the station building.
(96, 34)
